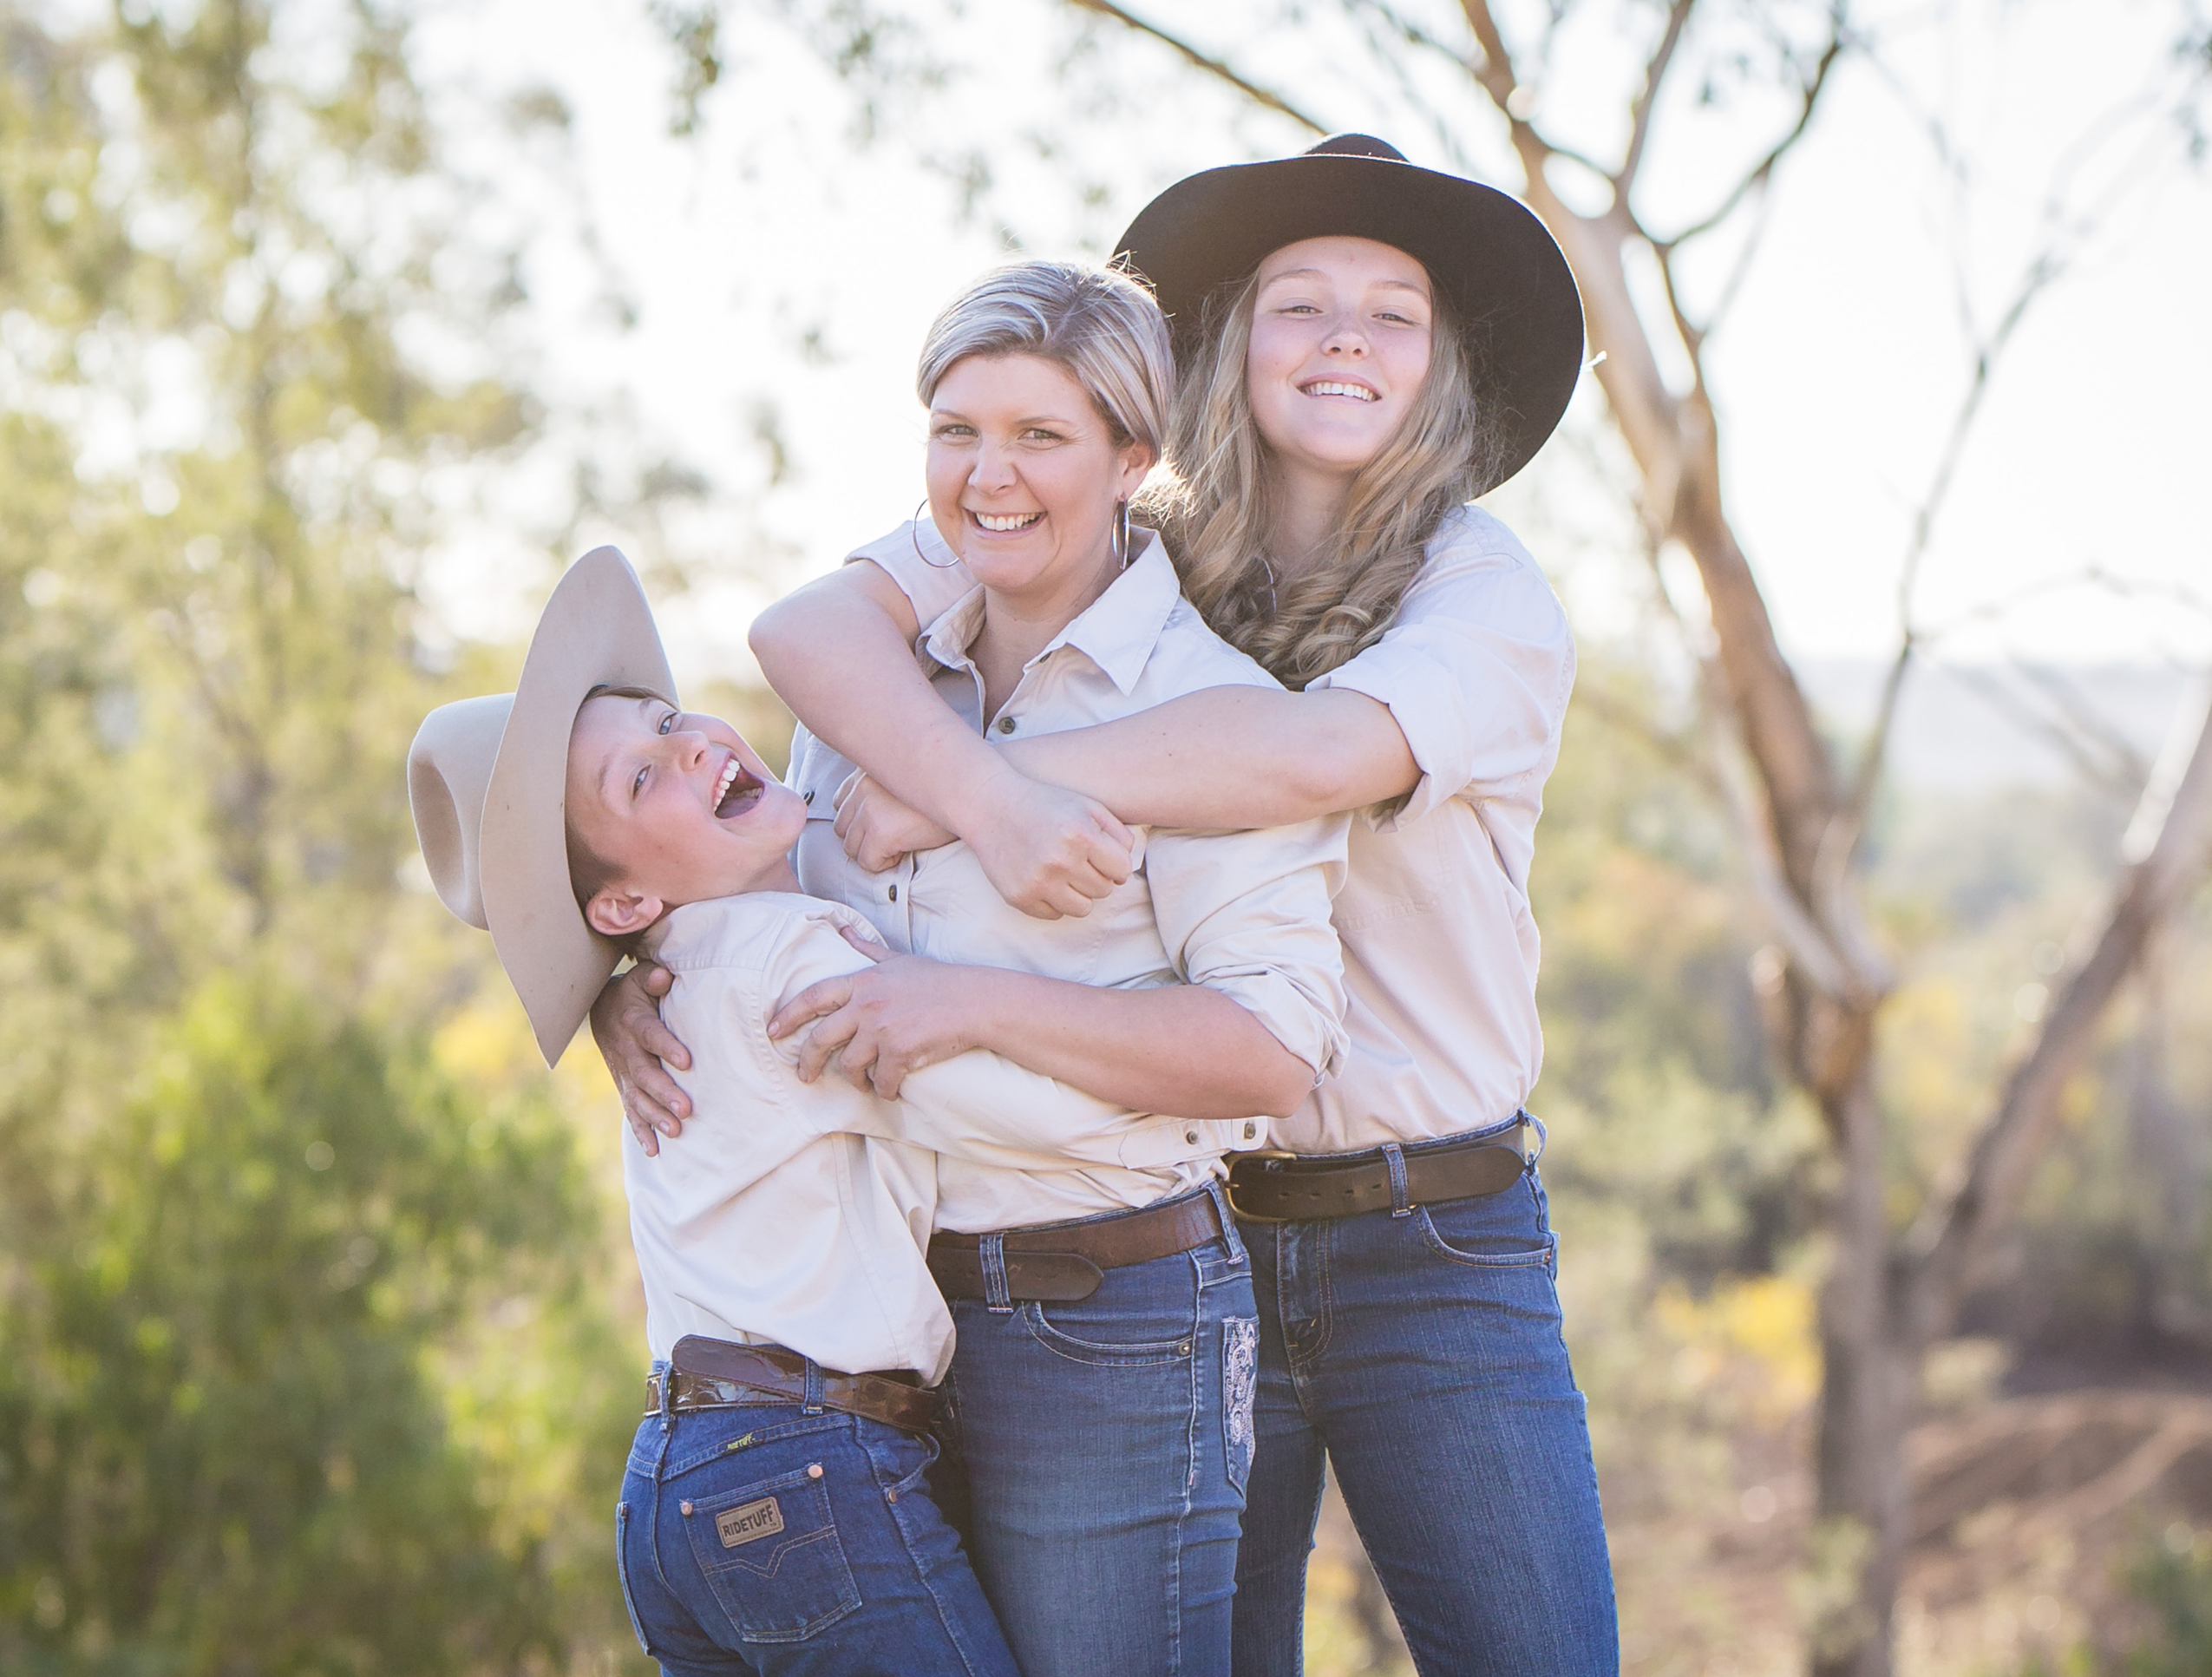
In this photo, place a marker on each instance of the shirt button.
(686, 1507)
(1250, 1130)
(814, 1469)
(895, 894)
(1191, 1135)
(1006, 725)
(807, 798)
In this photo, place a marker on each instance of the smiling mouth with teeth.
(1003, 523)
(1334, 387)
(735, 791)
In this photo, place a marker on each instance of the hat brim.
(1515, 295)
(596, 631)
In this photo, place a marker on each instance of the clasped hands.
(1049, 852)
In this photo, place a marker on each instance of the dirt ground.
(2024, 1506)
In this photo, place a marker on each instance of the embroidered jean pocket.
(1240, 1380)
(770, 1553)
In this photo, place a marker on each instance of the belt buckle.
(1230, 1186)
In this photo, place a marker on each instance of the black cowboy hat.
(1515, 298)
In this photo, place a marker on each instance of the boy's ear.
(615, 912)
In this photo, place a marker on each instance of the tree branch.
(1681, 754)
(2077, 749)
(1495, 72)
(1811, 951)
(1384, 20)
(1839, 845)
(1640, 113)
(1411, 33)
(1766, 166)
(2165, 850)
(1198, 60)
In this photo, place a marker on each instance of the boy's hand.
(626, 1025)
(879, 830)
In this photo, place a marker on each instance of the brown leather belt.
(1269, 1186)
(716, 1373)
(1060, 1264)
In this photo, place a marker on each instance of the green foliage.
(309, 1361)
(2166, 1630)
(2173, 1581)
(228, 1437)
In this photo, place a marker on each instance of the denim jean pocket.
(769, 1552)
(1066, 1331)
(1503, 1231)
(1240, 1381)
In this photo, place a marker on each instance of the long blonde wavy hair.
(1213, 505)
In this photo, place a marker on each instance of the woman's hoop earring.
(1117, 538)
(913, 534)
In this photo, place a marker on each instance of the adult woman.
(1370, 344)
(1106, 1343)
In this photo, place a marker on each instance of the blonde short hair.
(1101, 326)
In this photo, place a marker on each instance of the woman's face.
(1025, 475)
(1340, 334)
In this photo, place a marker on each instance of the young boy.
(775, 1515)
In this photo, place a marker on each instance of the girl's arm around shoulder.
(1464, 692)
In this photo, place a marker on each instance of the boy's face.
(679, 808)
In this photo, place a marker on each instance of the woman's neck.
(1016, 626)
(1305, 505)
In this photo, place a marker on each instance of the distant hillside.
(1972, 728)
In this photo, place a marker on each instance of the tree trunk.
(1868, 1381)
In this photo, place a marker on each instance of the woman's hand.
(1048, 851)
(899, 1015)
(878, 831)
(626, 1025)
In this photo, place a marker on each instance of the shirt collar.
(1117, 631)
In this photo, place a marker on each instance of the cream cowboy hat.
(486, 778)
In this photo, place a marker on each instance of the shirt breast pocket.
(1398, 874)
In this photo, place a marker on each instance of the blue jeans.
(761, 1539)
(1107, 1444)
(1422, 1353)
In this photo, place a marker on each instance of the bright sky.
(1836, 373)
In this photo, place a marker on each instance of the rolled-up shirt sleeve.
(1247, 915)
(1476, 670)
(928, 572)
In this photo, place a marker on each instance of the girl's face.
(1025, 473)
(1340, 335)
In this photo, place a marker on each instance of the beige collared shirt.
(1440, 950)
(800, 1214)
(1245, 913)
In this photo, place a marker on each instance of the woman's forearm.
(1231, 758)
(1183, 1050)
(839, 653)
